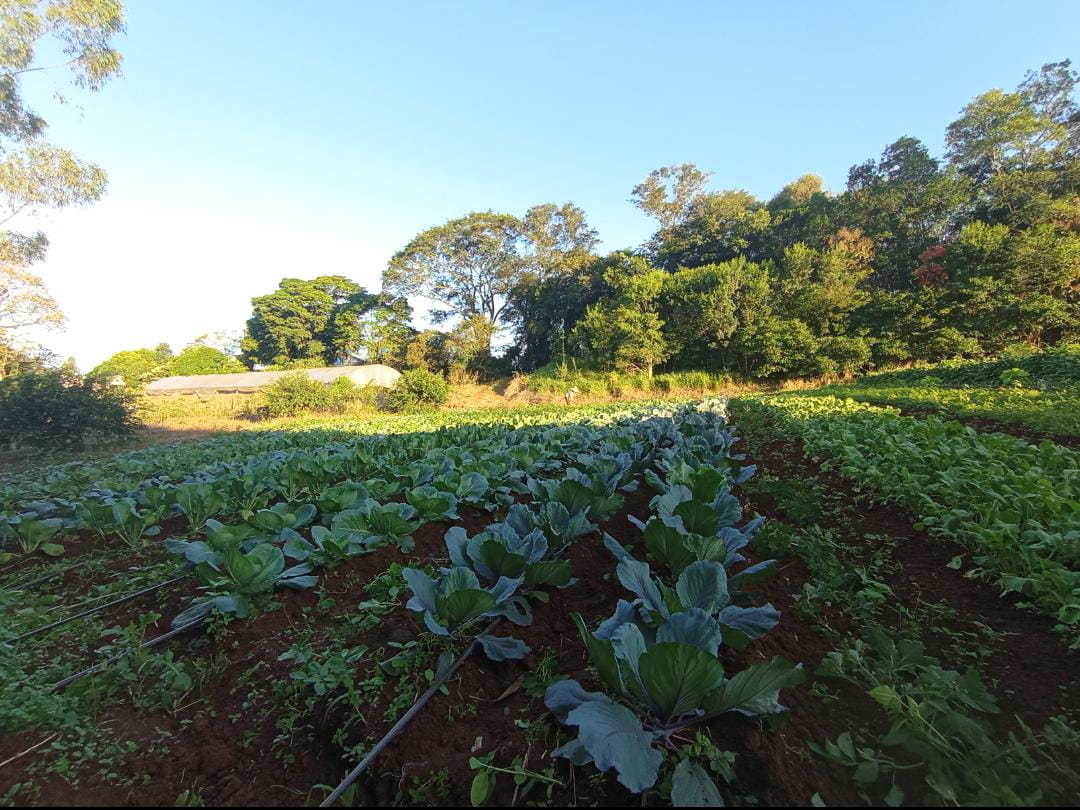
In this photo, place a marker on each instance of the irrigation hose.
(354, 774)
(70, 679)
(47, 577)
(92, 611)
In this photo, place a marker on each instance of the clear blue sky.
(253, 139)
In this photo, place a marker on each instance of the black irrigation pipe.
(47, 577)
(98, 609)
(354, 774)
(70, 679)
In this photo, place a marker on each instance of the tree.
(200, 359)
(24, 300)
(313, 321)
(626, 331)
(668, 193)
(469, 265)
(715, 228)
(384, 330)
(559, 252)
(906, 203)
(132, 368)
(427, 350)
(1020, 148)
(33, 173)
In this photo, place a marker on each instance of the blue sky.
(249, 140)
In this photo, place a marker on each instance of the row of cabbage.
(658, 655)
(240, 475)
(1014, 504)
(126, 473)
(355, 517)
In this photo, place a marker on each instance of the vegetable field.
(779, 600)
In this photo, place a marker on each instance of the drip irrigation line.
(70, 679)
(47, 577)
(396, 729)
(92, 611)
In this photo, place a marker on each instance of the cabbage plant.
(456, 601)
(658, 684)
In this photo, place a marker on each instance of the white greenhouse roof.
(250, 381)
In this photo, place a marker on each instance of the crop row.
(131, 505)
(1056, 413)
(1057, 367)
(1017, 506)
(657, 656)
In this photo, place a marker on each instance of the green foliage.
(294, 393)
(316, 321)
(197, 359)
(417, 389)
(133, 368)
(54, 409)
(1012, 503)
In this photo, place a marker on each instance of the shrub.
(55, 409)
(343, 394)
(294, 393)
(417, 389)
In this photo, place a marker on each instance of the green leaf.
(52, 549)
(755, 690)
(483, 785)
(691, 786)
(698, 518)
(703, 584)
(555, 573)
(678, 677)
(463, 606)
(603, 657)
(614, 738)
(667, 545)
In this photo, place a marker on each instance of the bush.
(55, 409)
(417, 389)
(293, 394)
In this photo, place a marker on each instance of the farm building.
(252, 381)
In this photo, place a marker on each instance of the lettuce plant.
(702, 587)
(328, 548)
(340, 497)
(219, 539)
(511, 549)
(198, 501)
(282, 516)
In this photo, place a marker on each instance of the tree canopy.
(35, 174)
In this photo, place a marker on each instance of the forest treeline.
(919, 258)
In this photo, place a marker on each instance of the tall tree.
(385, 331)
(312, 321)
(35, 174)
(559, 249)
(469, 265)
(668, 193)
(906, 203)
(626, 331)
